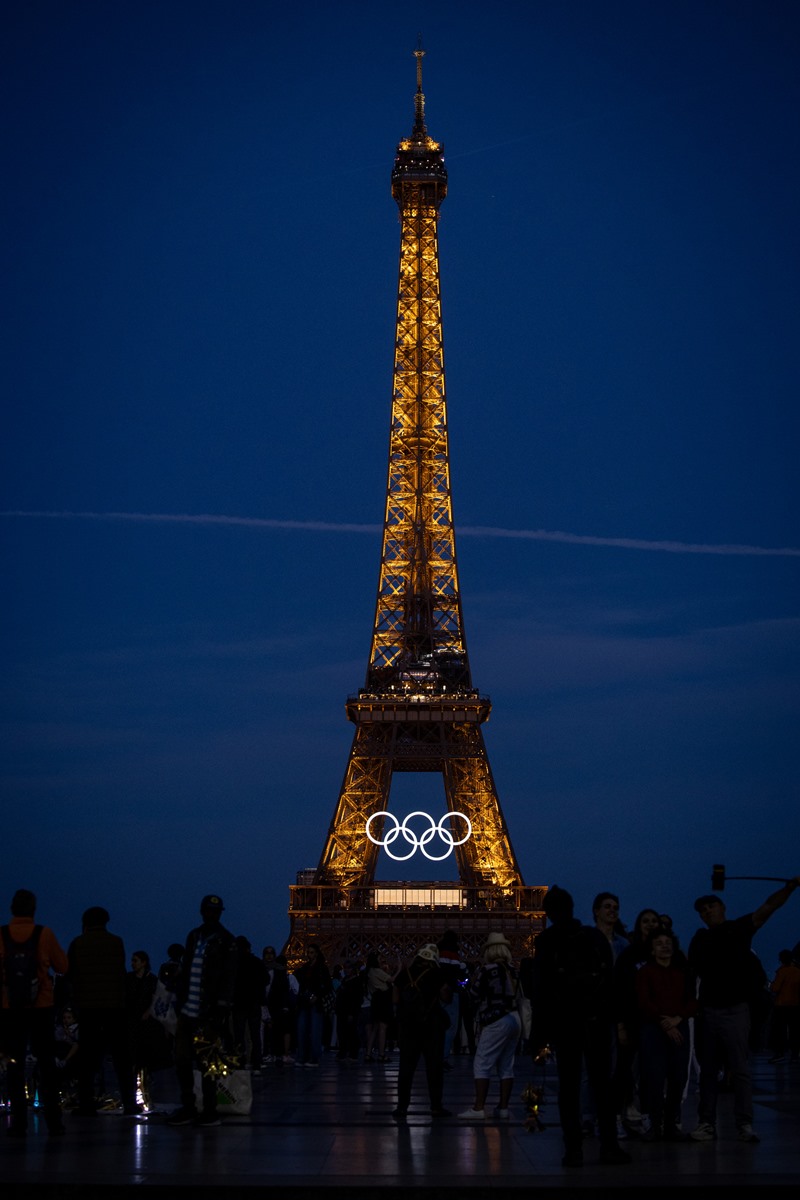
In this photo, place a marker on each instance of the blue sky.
(200, 266)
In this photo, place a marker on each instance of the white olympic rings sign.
(419, 843)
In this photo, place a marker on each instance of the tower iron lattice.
(418, 710)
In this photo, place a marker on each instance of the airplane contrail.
(480, 531)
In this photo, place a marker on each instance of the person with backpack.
(573, 1014)
(28, 954)
(419, 990)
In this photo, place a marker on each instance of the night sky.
(200, 265)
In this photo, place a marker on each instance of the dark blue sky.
(200, 265)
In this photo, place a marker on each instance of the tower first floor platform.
(396, 918)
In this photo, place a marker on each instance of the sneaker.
(705, 1132)
(614, 1156)
(745, 1134)
(472, 1114)
(207, 1121)
(502, 1114)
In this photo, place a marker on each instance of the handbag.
(524, 1009)
(525, 1014)
(234, 1093)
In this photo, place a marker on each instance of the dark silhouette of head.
(211, 909)
(558, 905)
(95, 918)
(23, 903)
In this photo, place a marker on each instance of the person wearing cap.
(418, 992)
(494, 990)
(721, 957)
(204, 992)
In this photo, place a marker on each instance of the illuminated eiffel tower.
(418, 710)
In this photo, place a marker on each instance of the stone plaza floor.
(316, 1129)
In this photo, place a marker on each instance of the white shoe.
(472, 1114)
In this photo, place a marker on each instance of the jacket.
(97, 970)
(218, 975)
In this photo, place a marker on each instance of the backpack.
(21, 968)
(413, 1008)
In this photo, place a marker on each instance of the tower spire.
(419, 99)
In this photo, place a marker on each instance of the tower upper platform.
(419, 171)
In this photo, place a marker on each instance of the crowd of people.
(623, 1015)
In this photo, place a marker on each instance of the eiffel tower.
(418, 710)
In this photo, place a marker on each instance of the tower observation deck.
(418, 710)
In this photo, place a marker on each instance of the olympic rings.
(419, 843)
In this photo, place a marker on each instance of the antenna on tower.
(419, 99)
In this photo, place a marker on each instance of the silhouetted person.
(665, 993)
(204, 995)
(169, 971)
(28, 953)
(454, 971)
(720, 956)
(349, 998)
(573, 1012)
(314, 983)
(421, 1021)
(248, 996)
(97, 976)
(785, 989)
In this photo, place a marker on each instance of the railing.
(414, 897)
